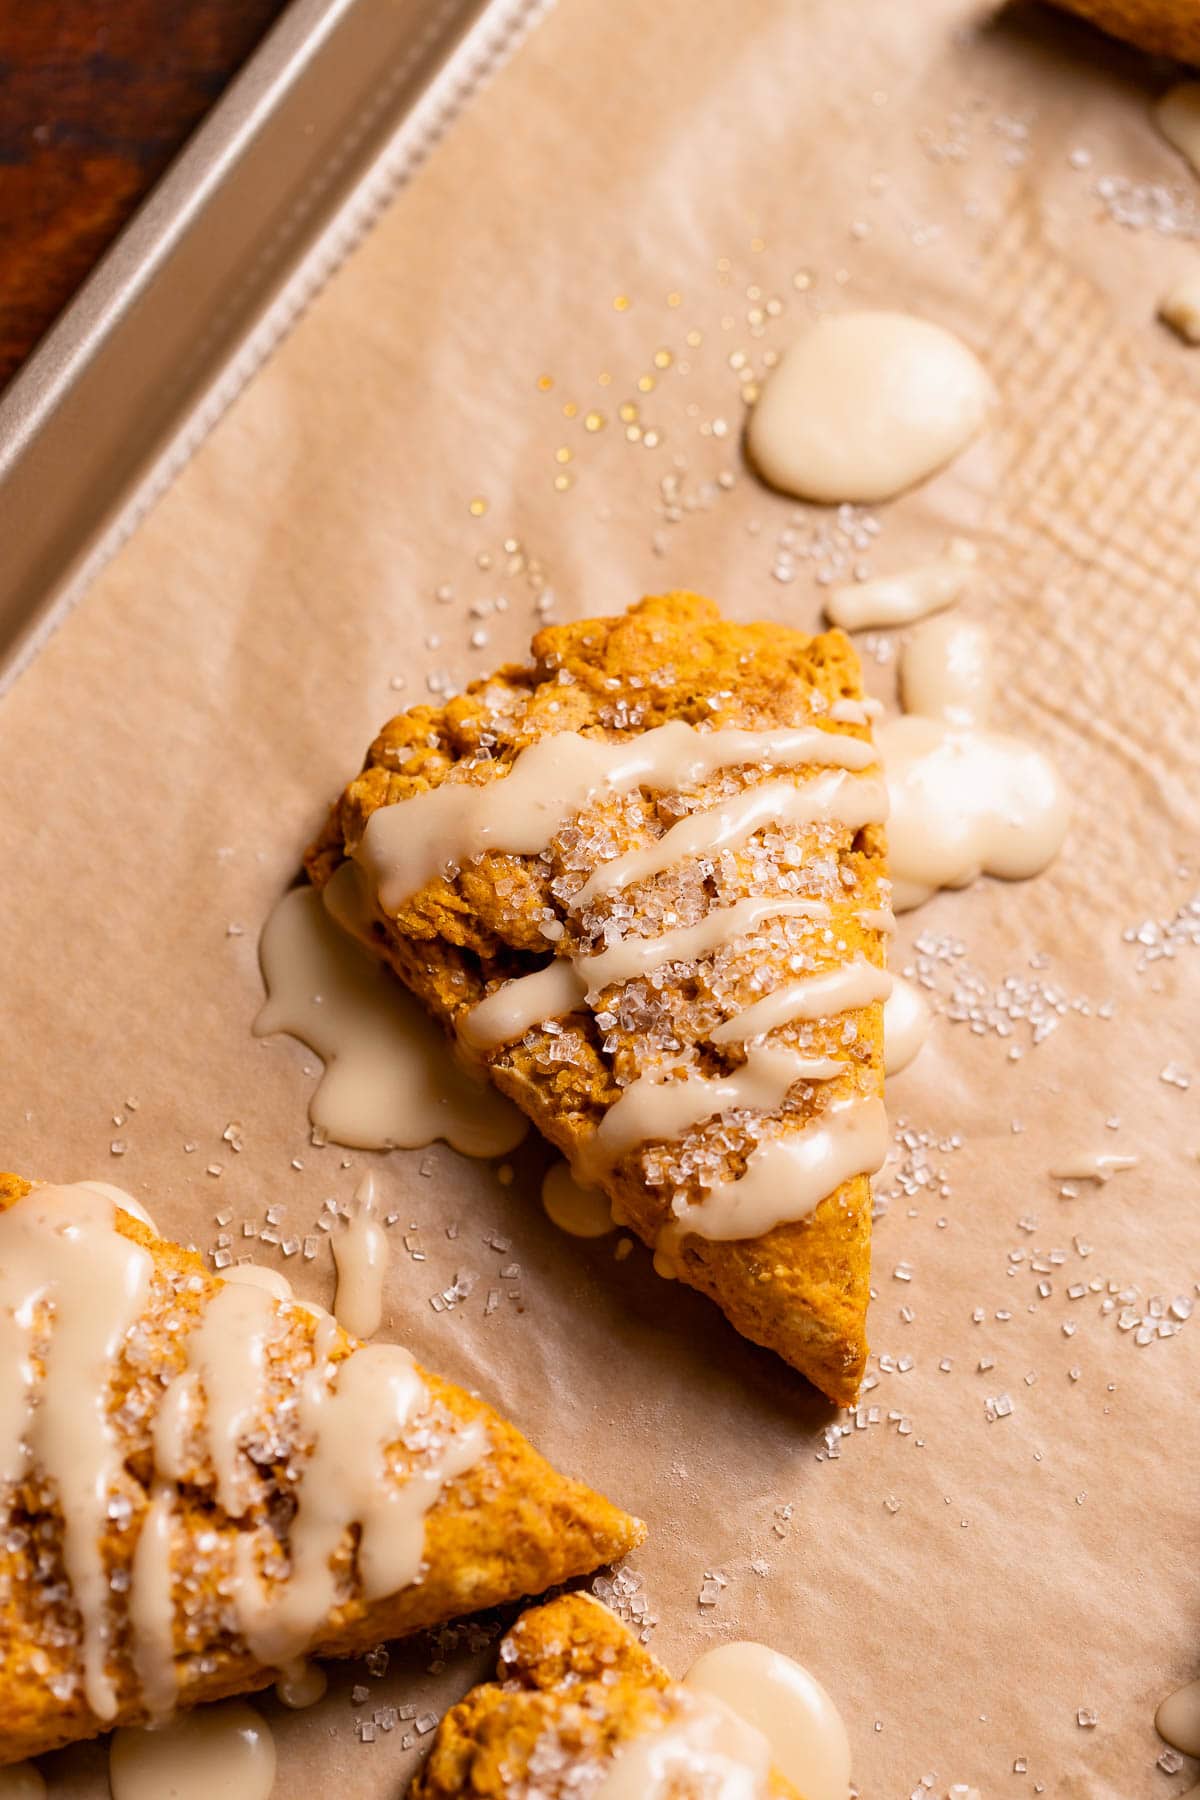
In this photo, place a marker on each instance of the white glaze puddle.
(906, 1025)
(704, 1750)
(901, 599)
(391, 1079)
(1178, 115)
(965, 804)
(1180, 306)
(946, 672)
(223, 1752)
(301, 1685)
(22, 1781)
(580, 1211)
(1090, 1165)
(360, 1251)
(866, 404)
(801, 1724)
(1178, 1719)
(965, 801)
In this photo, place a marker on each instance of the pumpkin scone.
(1164, 27)
(642, 879)
(202, 1483)
(581, 1709)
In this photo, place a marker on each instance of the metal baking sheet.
(335, 111)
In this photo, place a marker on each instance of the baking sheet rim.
(478, 37)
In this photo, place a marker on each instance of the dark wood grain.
(96, 96)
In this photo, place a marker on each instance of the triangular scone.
(700, 801)
(267, 1479)
(575, 1691)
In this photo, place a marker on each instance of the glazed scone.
(674, 824)
(233, 1534)
(1164, 27)
(575, 1690)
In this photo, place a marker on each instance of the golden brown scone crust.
(801, 1289)
(574, 1686)
(510, 1526)
(1164, 27)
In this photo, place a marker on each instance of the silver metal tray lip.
(134, 375)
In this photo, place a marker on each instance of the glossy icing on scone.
(643, 881)
(200, 1482)
(581, 1711)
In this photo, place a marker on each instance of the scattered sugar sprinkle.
(834, 548)
(450, 1297)
(1160, 940)
(1159, 207)
(1146, 1320)
(623, 1593)
(1023, 1010)
(712, 1587)
(913, 1173)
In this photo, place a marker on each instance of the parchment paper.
(964, 1587)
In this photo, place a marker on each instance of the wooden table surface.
(96, 96)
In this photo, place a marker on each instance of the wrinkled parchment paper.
(697, 182)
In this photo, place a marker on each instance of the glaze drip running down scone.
(200, 1483)
(581, 1709)
(642, 881)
